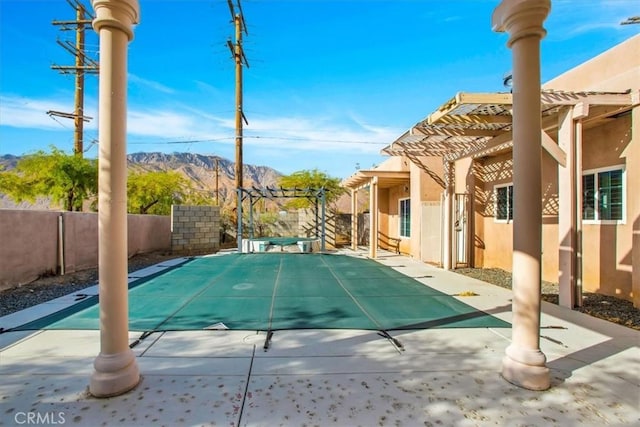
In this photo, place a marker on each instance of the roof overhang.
(480, 124)
(386, 179)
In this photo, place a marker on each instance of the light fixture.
(507, 79)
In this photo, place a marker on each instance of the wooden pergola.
(480, 124)
(254, 194)
(374, 180)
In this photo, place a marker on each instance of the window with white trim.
(504, 202)
(603, 194)
(405, 217)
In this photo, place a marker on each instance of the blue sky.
(330, 82)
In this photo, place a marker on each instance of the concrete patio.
(445, 377)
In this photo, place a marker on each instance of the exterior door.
(431, 239)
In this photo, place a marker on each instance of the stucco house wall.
(425, 185)
(493, 239)
(606, 255)
(608, 247)
(611, 249)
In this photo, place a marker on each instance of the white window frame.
(495, 203)
(406, 199)
(595, 173)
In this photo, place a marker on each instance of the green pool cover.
(280, 291)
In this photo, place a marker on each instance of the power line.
(195, 141)
(631, 20)
(300, 138)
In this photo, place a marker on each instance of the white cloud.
(319, 134)
(179, 125)
(206, 87)
(301, 133)
(150, 84)
(580, 17)
(184, 124)
(20, 112)
(31, 113)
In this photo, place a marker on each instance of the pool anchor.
(395, 341)
(141, 338)
(267, 341)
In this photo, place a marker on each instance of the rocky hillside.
(7, 161)
(201, 171)
(198, 168)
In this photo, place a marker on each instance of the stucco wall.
(608, 248)
(81, 240)
(148, 233)
(611, 260)
(427, 185)
(387, 219)
(611, 254)
(493, 240)
(489, 249)
(617, 69)
(30, 243)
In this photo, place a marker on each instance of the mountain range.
(199, 169)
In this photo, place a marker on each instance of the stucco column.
(116, 370)
(447, 223)
(373, 218)
(567, 231)
(354, 219)
(524, 363)
(633, 175)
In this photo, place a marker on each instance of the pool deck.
(438, 377)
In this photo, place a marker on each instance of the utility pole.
(237, 52)
(82, 66)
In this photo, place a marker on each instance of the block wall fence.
(195, 229)
(39, 243)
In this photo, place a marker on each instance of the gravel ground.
(52, 287)
(605, 307)
(44, 289)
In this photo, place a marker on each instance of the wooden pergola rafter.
(282, 193)
(480, 124)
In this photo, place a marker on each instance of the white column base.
(114, 374)
(526, 368)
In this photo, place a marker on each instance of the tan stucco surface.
(609, 254)
(616, 69)
(30, 241)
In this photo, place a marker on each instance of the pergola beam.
(475, 119)
(460, 131)
(593, 98)
(469, 98)
(554, 149)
